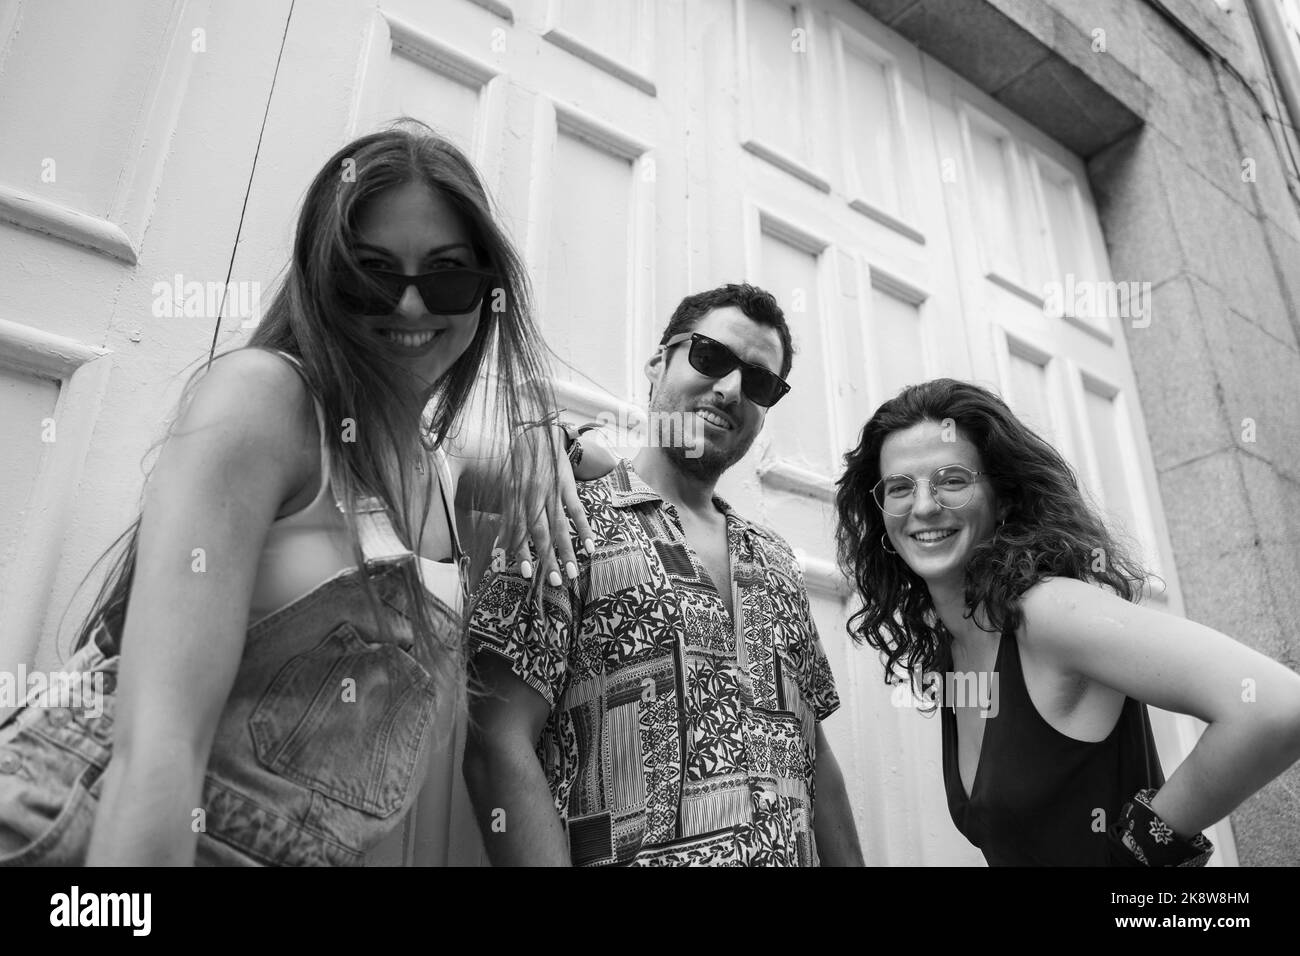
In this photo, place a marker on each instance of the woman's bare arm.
(239, 451)
(1251, 703)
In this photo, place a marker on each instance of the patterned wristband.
(571, 443)
(1151, 841)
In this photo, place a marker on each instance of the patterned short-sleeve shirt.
(679, 734)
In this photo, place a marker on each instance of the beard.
(707, 467)
(704, 462)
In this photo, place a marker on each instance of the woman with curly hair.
(980, 565)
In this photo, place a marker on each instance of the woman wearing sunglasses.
(989, 584)
(277, 635)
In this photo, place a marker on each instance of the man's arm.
(521, 634)
(833, 826)
(512, 800)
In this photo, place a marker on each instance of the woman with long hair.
(989, 583)
(283, 622)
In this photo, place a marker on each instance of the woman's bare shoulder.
(251, 404)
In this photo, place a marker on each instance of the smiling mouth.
(714, 418)
(932, 537)
(410, 340)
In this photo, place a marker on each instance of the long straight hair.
(503, 372)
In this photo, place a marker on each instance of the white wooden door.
(129, 132)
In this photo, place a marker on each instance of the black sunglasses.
(709, 357)
(444, 291)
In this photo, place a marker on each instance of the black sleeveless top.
(1036, 792)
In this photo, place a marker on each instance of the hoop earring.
(884, 544)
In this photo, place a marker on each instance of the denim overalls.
(317, 755)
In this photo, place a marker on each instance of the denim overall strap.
(379, 542)
(445, 484)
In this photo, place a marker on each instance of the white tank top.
(305, 549)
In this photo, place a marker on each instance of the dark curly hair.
(1050, 530)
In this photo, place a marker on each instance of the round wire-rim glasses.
(951, 487)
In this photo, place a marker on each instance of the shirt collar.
(630, 489)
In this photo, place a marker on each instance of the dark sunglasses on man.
(444, 291)
(713, 359)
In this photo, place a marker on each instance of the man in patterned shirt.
(641, 714)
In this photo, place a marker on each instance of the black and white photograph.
(607, 433)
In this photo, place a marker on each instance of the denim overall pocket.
(347, 719)
(44, 822)
(52, 759)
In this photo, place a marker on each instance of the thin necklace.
(426, 445)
